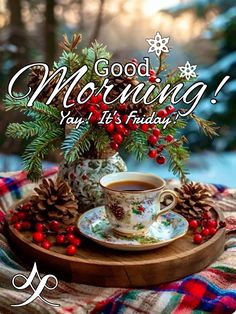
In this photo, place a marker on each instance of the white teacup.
(131, 213)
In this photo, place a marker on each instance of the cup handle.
(173, 203)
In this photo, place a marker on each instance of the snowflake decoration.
(188, 71)
(158, 44)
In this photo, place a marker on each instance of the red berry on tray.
(197, 238)
(14, 218)
(71, 250)
(193, 224)
(54, 226)
(76, 242)
(206, 215)
(26, 225)
(70, 237)
(38, 237)
(18, 226)
(39, 227)
(46, 244)
(212, 223)
(21, 215)
(26, 206)
(205, 232)
(60, 239)
(205, 223)
(212, 231)
(70, 229)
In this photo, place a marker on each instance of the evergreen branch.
(37, 150)
(30, 129)
(178, 156)
(69, 59)
(101, 139)
(208, 127)
(137, 144)
(37, 111)
(77, 142)
(70, 45)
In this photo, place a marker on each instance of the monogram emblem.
(36, 291)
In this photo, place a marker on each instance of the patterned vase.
(84, 176)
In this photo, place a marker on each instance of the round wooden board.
(97, 265)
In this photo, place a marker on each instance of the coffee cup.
(132, 201)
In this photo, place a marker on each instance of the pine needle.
(208, 127)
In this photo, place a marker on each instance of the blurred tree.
(50, 32)
(220, 32)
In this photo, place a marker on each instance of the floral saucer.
(170, 226)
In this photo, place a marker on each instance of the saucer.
(169, 227)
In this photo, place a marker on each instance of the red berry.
(71, 250)
(97, 114)
(156, 132)
(193, 224)
(70, 237)
(21, 215)
(122, 107)
(26, 225)
(18, 226)
(117, 138)
(152, 72)
(161, 160)
(133, 126)
(93, 119)
(205, 223)
(197, 238)
(46, 244)
(26, 206)
(103, 106)
(169, 109)
(152, 139)
(92, 108)
(169, 138)
(160, 148)
(141, 209)
(143, 71)
(144, 127)
(162, 113)
(126, 132)
(212, 231)
(14, 218)
(134, 60)
(205, 232)
(39, 227)
(76, 242)
(152, 79)
(109, 127)
(70, 229)
(222, 224)
(120, 128)
(152, 153)
(38, 237)
(212, 223)
(54, 226)
(206, 215)
(114, 146)
(99, 97)
(124, 118)
(60, 239)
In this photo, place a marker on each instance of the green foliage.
(77, 142)
(100, 139)
(69, 59)
(136, 143)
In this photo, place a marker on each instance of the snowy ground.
(205, 167)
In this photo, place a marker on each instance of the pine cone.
(193, 200)
(35, 77)
(54, 201)
(120, 82)
(141, 108)
(117, 211)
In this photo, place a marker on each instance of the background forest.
(201, 31)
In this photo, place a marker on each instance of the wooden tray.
(97, 265)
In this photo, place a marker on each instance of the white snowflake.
(158, 44)
(188, 71)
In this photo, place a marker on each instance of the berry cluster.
(205, 227)
(66, 236)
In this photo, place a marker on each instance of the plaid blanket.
(212, 290)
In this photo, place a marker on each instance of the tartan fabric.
(212, 290)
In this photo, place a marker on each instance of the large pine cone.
(120, 82)
(54, 201)
(193, 200)
(35, 77)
